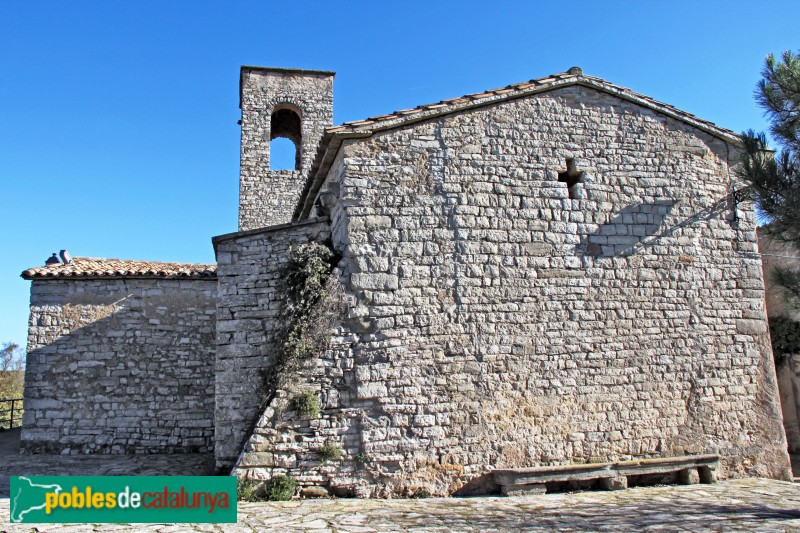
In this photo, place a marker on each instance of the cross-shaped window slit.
(572, 176)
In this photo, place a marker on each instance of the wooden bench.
(691, 469)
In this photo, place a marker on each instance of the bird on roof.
(65, 257)
(52, 260)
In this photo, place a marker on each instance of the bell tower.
(279, 103)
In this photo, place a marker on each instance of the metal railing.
(10, 413)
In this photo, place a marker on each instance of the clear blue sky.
(118, 134)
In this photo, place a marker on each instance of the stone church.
(556, 272)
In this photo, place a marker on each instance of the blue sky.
(118, 134)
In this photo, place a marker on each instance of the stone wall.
(249, 269)
(268, 197)
(120, 366)
(498, 319)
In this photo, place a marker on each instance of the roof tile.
(89, 267)
(553, 79)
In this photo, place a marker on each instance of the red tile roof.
(89, 267)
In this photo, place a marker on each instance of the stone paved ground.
(740, 505)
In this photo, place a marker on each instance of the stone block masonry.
(502, 317)
(296, 104)
(118, 366)
(250, 268)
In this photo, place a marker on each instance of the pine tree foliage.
(774, 177)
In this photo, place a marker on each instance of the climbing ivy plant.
(306, 272)
(309, 310)
(313, 301)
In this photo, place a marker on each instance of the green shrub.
(306, 404)
(280, 488)
(420, 492)
(329, 452)
(247, 490)
(305, 275)
(362, 458)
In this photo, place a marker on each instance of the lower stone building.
(549, 273)
(120, 358)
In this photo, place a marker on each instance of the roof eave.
(319, 172)
(84, 277)
(585, 81)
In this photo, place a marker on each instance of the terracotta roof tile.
(89, 267)
(545, 83)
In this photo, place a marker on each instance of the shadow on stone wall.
(640, 225)
(628, 230)
(120, 372)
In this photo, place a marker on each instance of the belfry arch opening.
(285, 124)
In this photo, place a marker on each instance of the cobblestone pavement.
(740, 505)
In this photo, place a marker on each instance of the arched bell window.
(285, 138)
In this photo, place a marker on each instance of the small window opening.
(282, 154)
(572, 176)
(285, 140)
